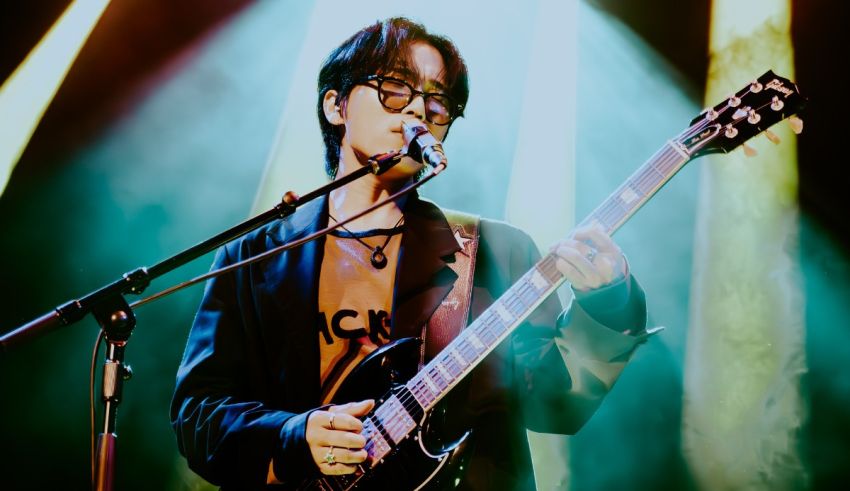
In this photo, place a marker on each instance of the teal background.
(177, 154)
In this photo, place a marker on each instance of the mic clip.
(382, 162)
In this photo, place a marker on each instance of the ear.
(332, 110)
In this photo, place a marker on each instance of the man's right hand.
(334, 437)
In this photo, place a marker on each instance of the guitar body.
(422, 460)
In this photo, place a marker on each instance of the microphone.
(420, 144)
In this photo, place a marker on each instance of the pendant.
(378, 259)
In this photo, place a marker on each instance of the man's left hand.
(590, 259)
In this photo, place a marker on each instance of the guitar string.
(408, 401)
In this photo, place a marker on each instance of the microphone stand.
(117, 320)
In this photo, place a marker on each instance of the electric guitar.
(400, 443)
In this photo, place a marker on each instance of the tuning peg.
(796, 124)
(772, 137)
(749, 151)
(753, 117)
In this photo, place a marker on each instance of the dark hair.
(377, 49)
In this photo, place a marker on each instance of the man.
(272, 342)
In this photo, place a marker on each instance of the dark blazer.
(250, 372)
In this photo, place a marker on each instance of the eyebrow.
(409, 74)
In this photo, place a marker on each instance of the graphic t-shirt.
(355, 299)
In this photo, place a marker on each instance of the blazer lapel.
(289, 303)
(423, 278)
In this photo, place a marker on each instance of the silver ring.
(329, 457)
(331, 422)
(591, 255)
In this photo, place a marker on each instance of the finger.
(576, 253)
(344, 439)
(605, 267)
(345, 455)
(361, 408)
(583, 249)
(611, 250)
(597, 237)
(343, 422)
(573, 275)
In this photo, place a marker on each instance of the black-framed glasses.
(396, 94)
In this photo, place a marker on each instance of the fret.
(522, 286)
(444, 372)
(622, 206)
(611, 215)
(395, 419)
(426, 394)
(628, 195)
(432, 387)
(502, 311)
(376, 445)
(610, 207)
(475, 342)
(450, 363)
(549, 270)
(673, 159)
(461, 361)
(652, 166)
(537, 280)
(420, 392)
(436, 377)
(643, 182)
(498, 325)
(515, 305)
(528, 293)
(467, 351)
(486, 335)
(513, 299)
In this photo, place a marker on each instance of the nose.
(416, 107)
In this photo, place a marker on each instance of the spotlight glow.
(26, 94)
(743, 409)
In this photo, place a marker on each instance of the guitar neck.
(642, 185)
(475, 342)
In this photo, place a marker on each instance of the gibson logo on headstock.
(705, 134)
(777, 85)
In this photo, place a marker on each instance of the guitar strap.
(453, 313)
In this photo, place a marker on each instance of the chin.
(404, 170)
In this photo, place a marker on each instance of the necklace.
(378, 258)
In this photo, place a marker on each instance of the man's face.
(371, 128)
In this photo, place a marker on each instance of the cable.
(95, 351)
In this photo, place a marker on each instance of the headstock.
(748, 112)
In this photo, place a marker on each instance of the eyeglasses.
(396, 94)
